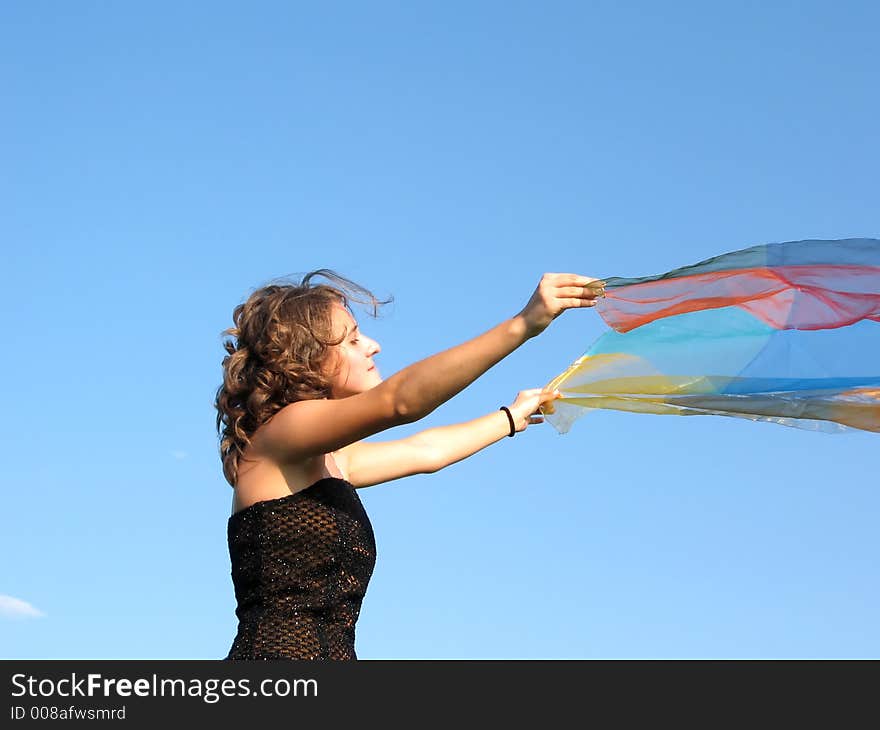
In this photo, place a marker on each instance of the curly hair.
(283, 336)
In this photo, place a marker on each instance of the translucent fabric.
(784, 332)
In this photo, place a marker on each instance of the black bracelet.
(509, 418)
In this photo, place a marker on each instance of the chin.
(362, 389)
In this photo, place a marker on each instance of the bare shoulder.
(309, 428)
(261, 477)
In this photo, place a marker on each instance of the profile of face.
(353, 356)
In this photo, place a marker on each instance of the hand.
(525, 408)
(555, 294)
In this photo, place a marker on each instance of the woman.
(301, 392)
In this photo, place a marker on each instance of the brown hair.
(284, 334)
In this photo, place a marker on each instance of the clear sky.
(161, 160)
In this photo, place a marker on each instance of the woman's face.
(354, 356)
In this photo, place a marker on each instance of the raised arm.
(431, 382)
(311, 427)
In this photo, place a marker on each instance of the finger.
(580, 291)
(575, 303)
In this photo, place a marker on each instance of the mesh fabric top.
(300, 566)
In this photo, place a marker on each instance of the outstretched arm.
(427, 384)
(435, 448)
(322, 425)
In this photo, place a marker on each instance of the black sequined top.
(300, 566)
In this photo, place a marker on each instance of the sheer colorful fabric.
(783, 332)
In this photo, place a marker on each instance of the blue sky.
(162, 160)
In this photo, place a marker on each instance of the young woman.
(301, 391)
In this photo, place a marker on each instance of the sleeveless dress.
(300, 567)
